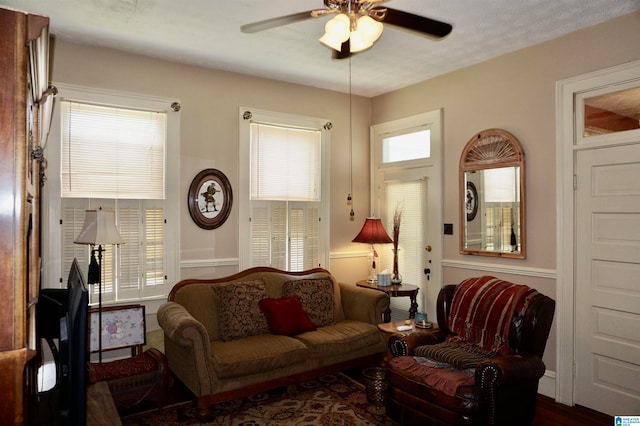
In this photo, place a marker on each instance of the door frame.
(433, 121)
(566, 148)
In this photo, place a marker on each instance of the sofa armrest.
(363, 304)
(174, 320)
(187, 348)
(511, 369)
(405, 343)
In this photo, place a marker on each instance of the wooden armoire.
(25, 106)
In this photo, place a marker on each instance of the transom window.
(408, 146)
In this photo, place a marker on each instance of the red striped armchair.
(480, 366)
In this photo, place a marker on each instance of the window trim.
(51, 199)
(247, 115)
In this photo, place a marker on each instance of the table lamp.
(373, 232)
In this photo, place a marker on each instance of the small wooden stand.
(395, 290)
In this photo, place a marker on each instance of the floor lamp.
(99, 229)
(373, 232)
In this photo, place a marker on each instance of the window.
(408, 146)
(112, 152)
(282, 163)
(501, 193)
(118, 152)
(285, 163)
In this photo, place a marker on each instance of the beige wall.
(210, 102)
(515, 92)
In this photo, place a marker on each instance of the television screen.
(74, 350)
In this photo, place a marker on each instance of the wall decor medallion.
(471, 206)
(210, 199)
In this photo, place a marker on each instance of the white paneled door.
(607, 339)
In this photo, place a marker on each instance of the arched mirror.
(492, 196)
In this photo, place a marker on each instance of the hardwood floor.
(549, 412)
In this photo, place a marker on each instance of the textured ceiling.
(207, 33)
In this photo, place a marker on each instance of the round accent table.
(395, 290)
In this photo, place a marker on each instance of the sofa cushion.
(341, 338)
(316, 296)
(256, 354)
(285, 315)
(238, 314)
(439, 376)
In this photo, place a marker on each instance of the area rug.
(332, 400)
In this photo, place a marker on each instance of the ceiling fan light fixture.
(330, 41)
(370, 29)
(357, 24)
(337, 31)
(357, 42)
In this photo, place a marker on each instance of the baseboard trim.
(547, 384)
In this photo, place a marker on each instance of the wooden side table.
(395, 290)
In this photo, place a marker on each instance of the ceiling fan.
(357, 24)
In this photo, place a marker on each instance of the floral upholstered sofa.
(263, 328)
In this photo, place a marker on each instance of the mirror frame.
(492, 149)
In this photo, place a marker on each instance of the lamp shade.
(99, 228)
(370, 28)
(357, 42)
(372, 232)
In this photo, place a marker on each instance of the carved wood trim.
(494, 147)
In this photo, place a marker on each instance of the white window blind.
(285, 235)
(278, 233)
(501, 185)
(410, 197)
(285, 163)
(112, 152)
(153, 244)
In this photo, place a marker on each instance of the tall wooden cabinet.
(23, 37)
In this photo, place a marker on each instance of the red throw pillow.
(285, 316)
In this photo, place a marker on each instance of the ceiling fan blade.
(417, 24)
(345, 51)
(275, 22)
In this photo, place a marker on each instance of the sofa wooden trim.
(237, 276)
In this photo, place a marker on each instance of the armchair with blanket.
(480, 366)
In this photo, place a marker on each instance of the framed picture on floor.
(122, 327)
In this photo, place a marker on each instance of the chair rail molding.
(500, 269)
(208, 263)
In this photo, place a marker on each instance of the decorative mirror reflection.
(492, 196)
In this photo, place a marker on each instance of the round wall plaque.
(210, 199)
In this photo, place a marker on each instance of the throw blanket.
(482, 309)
